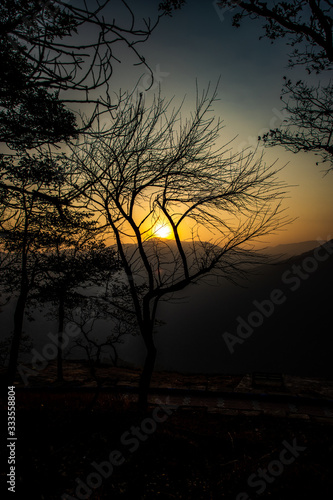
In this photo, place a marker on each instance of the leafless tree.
(93, 310)
(153, 168)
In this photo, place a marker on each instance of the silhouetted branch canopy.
(56, 53)
(309, 123)
(151, 166)
(306, 24)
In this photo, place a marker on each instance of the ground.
(186, 452)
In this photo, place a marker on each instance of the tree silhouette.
(97, 349)
(307, 27)
(20, 224)
(306, 24)
(30, 114)
(152, 168)
(48, 61)
(309, 126)
(72, 259)
(171, 5)
(50, 67)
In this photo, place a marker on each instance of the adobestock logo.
(130, 439)
(255, 142)
(40, 360)
(275, 468)
(151, 81)
(255, 319)
(293, 279)
(224, 7)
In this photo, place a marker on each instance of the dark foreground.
(66, 445)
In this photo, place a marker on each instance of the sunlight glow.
(162, 231)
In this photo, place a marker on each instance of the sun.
(162, 231)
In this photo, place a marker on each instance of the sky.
(199, 44)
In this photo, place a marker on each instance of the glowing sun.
(162, 231)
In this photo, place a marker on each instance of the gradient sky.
(199, 43)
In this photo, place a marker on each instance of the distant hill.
(283, 251)
(290, 249)
(296, 338)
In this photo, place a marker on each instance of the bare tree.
(154, 169)
(93, 310)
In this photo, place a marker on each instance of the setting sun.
(162, 231)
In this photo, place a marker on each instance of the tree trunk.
(147, 371)
(18, 325)
(61, 317)
(19, 310)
